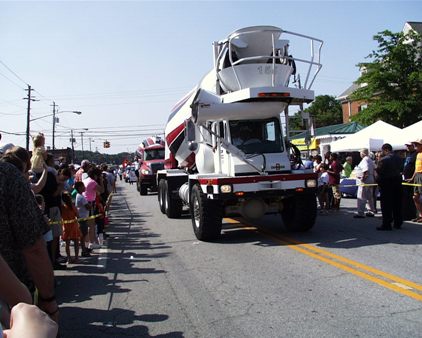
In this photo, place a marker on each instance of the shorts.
(83, 227)
(55, 216)
(418, 180)
(336, 191)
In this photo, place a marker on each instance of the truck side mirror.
(190, 131)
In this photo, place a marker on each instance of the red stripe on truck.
(171, 136)
(254, 179)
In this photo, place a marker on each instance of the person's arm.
(59, 190)
(100, 186)
(12, 291)
(29, 321)
(413, 177)
(37, 187)
(40, 268)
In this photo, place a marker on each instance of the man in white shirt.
(365, 195)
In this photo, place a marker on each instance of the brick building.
(350, 107)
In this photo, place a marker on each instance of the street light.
(54, 119)
(82, 141)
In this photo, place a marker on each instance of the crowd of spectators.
(398, 180)
(38, 209)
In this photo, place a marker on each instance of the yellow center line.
(400, 285)
(387, 275)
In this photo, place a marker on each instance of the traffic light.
(106, 144)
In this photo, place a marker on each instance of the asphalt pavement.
(153, 278)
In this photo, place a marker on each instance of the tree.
(325, 111)
(391, 84)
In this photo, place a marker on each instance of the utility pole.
(72, 140)
(82, 143)
(28, 114)
(54, 123)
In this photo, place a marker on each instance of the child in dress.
(70, 226)
(39, 154)
(83, 210)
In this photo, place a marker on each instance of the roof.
(371, 137)
(335, 129)
(416, 26)
(347, 92)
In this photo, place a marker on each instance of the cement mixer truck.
(226, 154)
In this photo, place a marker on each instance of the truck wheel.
(143, 189)
(206, 214)
(299, 212)
(161, 195)
(172, 206)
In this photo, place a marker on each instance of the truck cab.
(150, 155)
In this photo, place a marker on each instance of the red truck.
(150, 157)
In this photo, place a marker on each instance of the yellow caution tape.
(359, 185)
(375, 184)
(412, 184)
(75, 220)
(80, 219)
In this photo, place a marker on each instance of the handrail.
(314, 60)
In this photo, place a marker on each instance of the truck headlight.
(226, 188)
(311, 183)
(145, 172)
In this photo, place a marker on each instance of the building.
(350, 107)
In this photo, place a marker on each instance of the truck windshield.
(154, 154)
(256, 136)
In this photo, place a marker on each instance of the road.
(155, 279)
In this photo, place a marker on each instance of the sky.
(124, 65)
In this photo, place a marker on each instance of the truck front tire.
(299, 212)
(206, 214)
(143, 189)
(161, 193)
(172, 206)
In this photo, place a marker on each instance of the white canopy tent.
(411, 133)
(371, 137)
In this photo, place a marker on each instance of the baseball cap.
(419, 140)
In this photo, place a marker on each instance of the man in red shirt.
(79, 176)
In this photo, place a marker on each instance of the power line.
(11, 133)
(137, 92)
(11, 114)
(134, 126)
(12, 81)
(10, 70)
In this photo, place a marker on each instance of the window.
(154, 154)
(257, 136)
(362, 107)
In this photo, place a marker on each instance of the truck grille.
(156, 166)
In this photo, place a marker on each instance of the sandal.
(417, 219)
